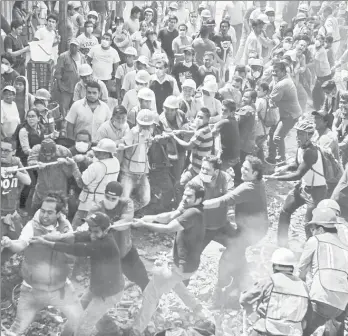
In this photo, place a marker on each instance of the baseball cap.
(143, 60)
(300, 17)
(131, 51)
(99, 219)
(74, 41)
(9, 88)
(92, 13)
(114, 188)
(148, 10)
(206, 13)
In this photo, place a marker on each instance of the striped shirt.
(203, 145)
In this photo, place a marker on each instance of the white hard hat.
(263, 17)
(105, 145)
(146, 94)
(142, 76)
(42, 94)
(143, 60)
(131, 51)
(189, 83)
(210, 86)
(146, 117)
(85, 70)
(171, 102)
(75, 4)
(329, 203)
(93, 13)
(209, 78)
(303, 7)
(269, 10)
(283, 256)
(206, 13)
(173, 5)
(255, 61)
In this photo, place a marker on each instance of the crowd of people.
(169, 122)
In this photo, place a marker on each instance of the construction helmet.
(305, 125)
(324, 217)
(206, 13)
(209, 78)
(284, 257)
(269, 10)
(303, 8)
(210, 86)
(42, 94)
(142, 76)
(105, 145)
(146, 94)
(171, 102)
(85, 70)
(189, 83)
(146, 117)
(263, 17)
(93, 13)
(329, 204)
(131, 51)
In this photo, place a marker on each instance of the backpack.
(271, 116)
(333, 169)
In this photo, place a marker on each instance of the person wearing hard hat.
(273, 317)
(270, 27)
(87, 40)
(67, 74)
(299, 23)
(135, 164)
(74, 20)
(307, 168)
(205, 16)
(146, 98)
(326, 257)
(142, 63)
(131, 99)
(94, 179)
(86, 75)
(130, 54)
(87, 113)
(186, 68)
(172, 10)
(93, 17)
(187, 102)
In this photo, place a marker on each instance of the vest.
(10, 187)
(33, 136)
(44, 268)
(312, 179)
(287, 307)
(96, 189)
(332, 264)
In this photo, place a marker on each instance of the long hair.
(151, 45)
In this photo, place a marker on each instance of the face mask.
(317, 43)
(205, 178)
(89, 30)
(4, 68)
(256, 74)
(287, 45)
(105, 43)
(110, 204)
(82, 147)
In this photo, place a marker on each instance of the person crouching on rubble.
(269, 296)
(106, 281)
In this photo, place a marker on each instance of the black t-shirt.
(218, 39)
(188, 243)
(230, 142)
(8, 78)
(15, 43)
(166, 37)
(182, 72)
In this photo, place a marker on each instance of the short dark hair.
(182, 25)
(330, 230)
(173, 17)
(329, 39)
(329, 85)
(240, 68)
(204, 32)
(88, 23)
(206, 112)
(109, 35)
(198, 189)
(214, 160)
(225, 22)
(280, 65)
(264, 86)
(209, 53)
(238, 79)
(135, 10)
(84, 132)
(253, 94)
(257, 22)
(10, 141)
(55, 198)
(256, 165)
(53, 17)
(344, 95)
(93, 84)
(119, 19)
(230, 104)
(35, 111)
(8, 57)
(120, 109)
(16, 24)
(302, 37)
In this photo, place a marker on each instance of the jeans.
(163, 280)
(95, 307)
(65, 102)
(238, 169)
(134, 269)
(32, 300)
(318, 94)
(297, 197)
(277, 136)
(321, 313)
(139, 183)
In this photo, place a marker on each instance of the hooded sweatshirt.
(24, 100)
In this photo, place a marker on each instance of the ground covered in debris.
(153, 249)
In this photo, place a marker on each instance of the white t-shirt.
(9, 118)
(87, 43)
(43, 34)
(235, 10)
(102, 61)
